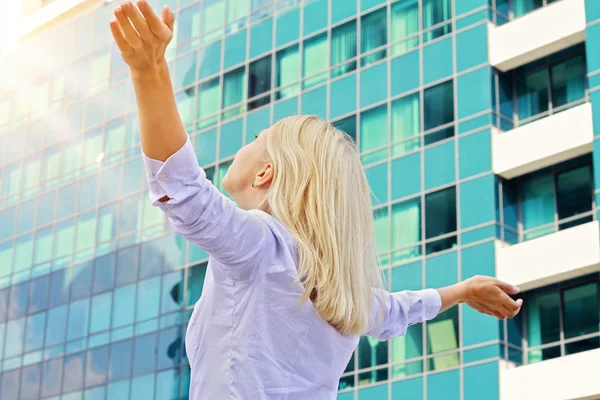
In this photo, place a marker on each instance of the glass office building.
(478, 153)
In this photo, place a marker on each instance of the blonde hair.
(321, 195)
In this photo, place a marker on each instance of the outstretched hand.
(491, 296)
(142, 37)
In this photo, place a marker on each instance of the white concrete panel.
(537, 34)
(549, 259)
(564, 378)
(542, 143)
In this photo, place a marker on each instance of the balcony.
(537, 34)
(542, 143)
(552, 258)
(571, 377)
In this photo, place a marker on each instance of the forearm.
(161, 128)
(452, 295)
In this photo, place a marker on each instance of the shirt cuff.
(433, 302)
(172, 177)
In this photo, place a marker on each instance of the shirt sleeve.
(401, 310)
(239, 240)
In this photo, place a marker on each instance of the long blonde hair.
(321, 195)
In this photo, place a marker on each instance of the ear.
(264, 176)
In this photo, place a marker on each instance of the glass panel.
(234, 88)
(259, 81)
(95, 368)
(373, 132)
(372, 352)
(382, 229)
(287, 71)
(347, 125)
(120, 360)
(574, 192)
(208, 102)
(442, 335)
(543, 319)
(406, 229)
(582, 345)
(407, 347)
(237, 9)
(143, 360)
(406, 124)
(196, 275)
(521, 7)
(405, 23)
(213, 17)
(436, 12)
(537, 206)
(373, 34)
(440, 213)
(568, 81)
(580, 310)
(189, 25)
(315, 60)
(543, 354)
(343, 48)
(438, 106)
(532, 93)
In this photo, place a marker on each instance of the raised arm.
(242, 242)
(402, 309)
(143, 47)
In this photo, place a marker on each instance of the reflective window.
(442, 336)
(196, 276)
(440, 219)
(343, 48)
(405, 26)
(435, 13)
(259, 82)
(287, 72)
(373, 133)
(143, 360)
(406, 124)
(347, 125)
(406, 229)
(208, 103)
(73, 369)
(550, 85)
(120, 360)
(234, 88)
(562, 319)
(373, 34)
(438, 111)
(314, 60)
(96, 365)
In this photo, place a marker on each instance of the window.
(236, 10)
(374, 134)
(189, 26)
(558, 199)
(406, 230)
(287, 72)
(435, 13)
(373, 34)
(196, 275)
(314, 60)
(548, 86)
(406, 124)
(371, 353)
(438, 109)
(440, 219)
(442, 336)
(259, 82)
(343, 48)
(208, 103)
(234, 87)
(405, 26)
(213, 17)
(562, 319)
(347, 125)
(521, 7)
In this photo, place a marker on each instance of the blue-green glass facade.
(95, 289)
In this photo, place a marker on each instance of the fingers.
(158, 27)
(508, 288)
(120, 40)
(168, 17)
(128, 32)
(139, 23)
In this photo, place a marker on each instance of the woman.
(292, 281)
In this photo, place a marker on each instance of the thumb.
(168, 17)
(508, 288)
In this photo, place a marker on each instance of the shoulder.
(277, 228)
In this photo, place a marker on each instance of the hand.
(141, 36)
(489, 296)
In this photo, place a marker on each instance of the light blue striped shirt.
(248, 338)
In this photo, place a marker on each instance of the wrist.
(463, 291)
(158, 71)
